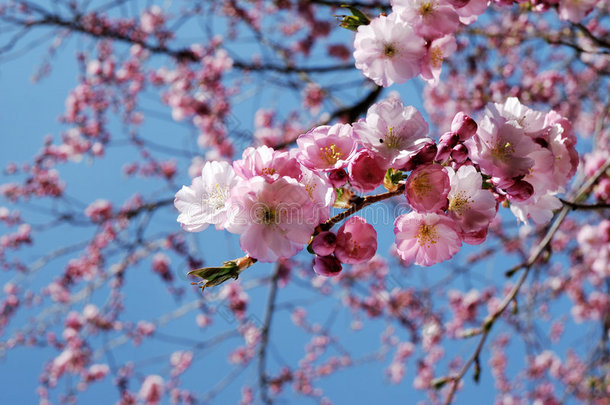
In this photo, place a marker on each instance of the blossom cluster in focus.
(280, 201)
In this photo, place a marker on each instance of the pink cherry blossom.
(537, 208)
(205, 201)
(501, 149)
(594, 243)
(472, 207)
(531, 121)
(268, 163)
(394, 132)
(274, 220)
(327, 148)
(356, 241)
(388, 51)
(432, 62)
(427, 188)
(575, 10)
(151, 390)
(430, 18)
(471, 11)
(426, 239)
(321, 193)
(366, 171)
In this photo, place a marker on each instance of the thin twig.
(262, 350)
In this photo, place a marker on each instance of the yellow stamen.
(503, 152)
(389, 50)
(426, 8)
(392, 139)
(331, 154)
(426, 235)
(436, 57)
(422, 185)
(268, 171)
(310, 189)
(459, 203)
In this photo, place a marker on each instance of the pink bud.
(425, 155)
(328, 266)
(427, 188)
(446, 144)
(521, 190)
(324, 243)
(356, 241)
(475, 237)
(464, 126)
(366, 172)
(337, 178)
(459, 154)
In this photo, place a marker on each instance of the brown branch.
(262, 350)
(357, 206)
(586, 207)
(184, 54)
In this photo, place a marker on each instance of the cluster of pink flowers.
(275, 200)
(413, 40)
(529, 155)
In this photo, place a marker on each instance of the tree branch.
(262, 351)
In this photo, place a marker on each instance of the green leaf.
(352, 22)
(216, 275)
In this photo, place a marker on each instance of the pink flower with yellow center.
(472, 207)
(501, 149)
(326, 148)
(275, 220)
(427, 188)
(388, 51)
(426, 239)
(393, 131)
(432, 62)
(430, 18)
(268, 163)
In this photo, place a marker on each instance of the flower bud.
(365, 171)
(521, 190)
(337, 178)
(328, 266)
(356, 241)
(425, 155)
(459, 154)
(446, 144)
(464, 126)
(324, 243)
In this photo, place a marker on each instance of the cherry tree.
(410, 202)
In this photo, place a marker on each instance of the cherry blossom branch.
(359, 204)
(577, 206)
(485, 329)
(183, 54)
(597, 41)
(262, 351)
